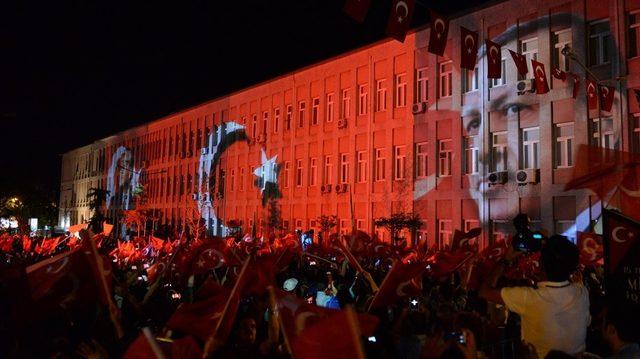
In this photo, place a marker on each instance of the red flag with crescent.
(468, 48)
(542, 86)
(357, 9)
(592, 94)
(494, 60)
(200, 318)
(559, 74)
(521, 63)
(576, 85)
(438, 33)
(620, 235)
(403, 279)
(590, 247)
(607, 93)
(400, 18)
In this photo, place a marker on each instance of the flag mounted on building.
(400, 18)
(521, 63)
(559, 74)
(592, 94)
(357, 9)
(542, 86)
(607, 93)
(438, 33)
(576, 85)
(494, 63)
(468, 48)
(621, 258)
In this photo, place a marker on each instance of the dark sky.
(76, 71)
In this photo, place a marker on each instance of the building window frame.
(422, 160)
(445, 77)
(344, 168)
(530, 155)
(381, 95)
(345, 104)
(329, 107)
(401, 90)
(328, 170)
(422, 85)
(445, 233)
(499, 151)
(564, 144)
(399, 162)
(380, 168)
(361, 174)
(302, 108)
(299, 172)
(315, 110)
(471, 154)
(445, 154)
(363, 99)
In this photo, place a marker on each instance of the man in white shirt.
(555, 315)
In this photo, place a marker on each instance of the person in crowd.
(555, 314)
(620, 330)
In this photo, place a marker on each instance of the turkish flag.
(592, 94)
(438, 33)
(297, 315)
(521, 62)
(200, 318)
(559, 74)
(494, 60)
(106, 228)
(629, 190)
(590, 247)
(542, 86)
(46, 274)
(357, 9)
(400, 18)
(576, 85)
(621, 257)
(403, 279)
(208, 256)
(607, 93)
(445, 263)
(461, 239)
(468, 48)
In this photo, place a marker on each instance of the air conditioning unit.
(531, 175)
(345, 187)
(524, 86)
(342, 123)
(498, 178)
(338, 188)
(250, 141)
(325, 188)
(194, 196)
(204, 151)
(419, 107)
(261, 138)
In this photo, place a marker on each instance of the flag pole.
(276, 313)
(355, 332)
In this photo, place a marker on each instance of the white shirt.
(554, 316)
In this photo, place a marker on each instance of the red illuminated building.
(396, 128)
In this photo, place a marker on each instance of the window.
(471, 151)
(241, 180)
(500, 230)
(301, 109)
(276, 120)
(380, 165)
(363, 99)
(564, 144)
(345, 104)
(254, 125)
(361, 173)
(446, 71)
(499, 151)
(560, 39)
(360, 224)
(232, 178)
(503, 75)
(285, 173)
(530, 157)
(600, 43)
(444, 233)
(634, 34)
(287, 122)
(328, 170)
(345, 227)
(315, 107)
(422, 159)
(422, 85)
(635, 134)
(529, 49)
(469, 80)
(381, 95)
(444, 158)
(399, 158)
(401, 90)
(344, 168)
(299, 173)
(313, 171)
(470, 224)
(605, 139)
(265, 122)
(329, 110)
(567, 229)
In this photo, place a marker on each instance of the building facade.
(390, 127)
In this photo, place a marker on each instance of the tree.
(96, 198)
(134, 217)
(326, 224)
(399, 221)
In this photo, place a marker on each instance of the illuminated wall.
(401, 128)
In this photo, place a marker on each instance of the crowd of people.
(349, 296)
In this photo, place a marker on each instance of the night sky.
(76, 71)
